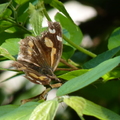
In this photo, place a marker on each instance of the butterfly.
(39, 56)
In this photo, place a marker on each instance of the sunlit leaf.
(19, 113)
(5, 53)
(99, 112)
(76, 103)
(114, 74)
(73, 74)
(11, 45)
(36, 17)
(45, 111)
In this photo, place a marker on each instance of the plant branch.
(65, 69)
(19, 25)
(72, 66)
(79, 48)
(45, 13)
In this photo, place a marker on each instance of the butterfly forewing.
(52, 44)
(39, 56)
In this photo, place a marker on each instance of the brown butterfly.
(39, 56)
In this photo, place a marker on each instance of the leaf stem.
(79, 48)
(66, 63)
(45, 13)
(17, 24)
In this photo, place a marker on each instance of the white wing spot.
(52, 31)
(59, 38)
(30, 78)
(38, 82)
(20, 56)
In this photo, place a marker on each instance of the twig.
(65, 69)
(72, 66)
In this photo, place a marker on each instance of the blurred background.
(97, 19)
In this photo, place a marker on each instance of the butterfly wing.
(39, 56)
(32, 72)
(51, 44)
(45, 50)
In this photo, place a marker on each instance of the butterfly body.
(39, 56)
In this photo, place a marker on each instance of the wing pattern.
(39, 56)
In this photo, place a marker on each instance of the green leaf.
(3, 8)
(74, 31)
(20, 2)
(59, 5)
(22, 11)
(4, 25)
(11, 45)
(114, 74)
(5, 53)
(6, 109)
(6, 13)
(36, 17)
(67, 52)
(21, 113)
(99, 112)
(76, 103)
(45, 111)
(23, 17)
(11, 33)
(73, 74)
(114, 40)
(100, 58)
(89, 77)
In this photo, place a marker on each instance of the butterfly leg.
(38, 97)
(42, 95)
